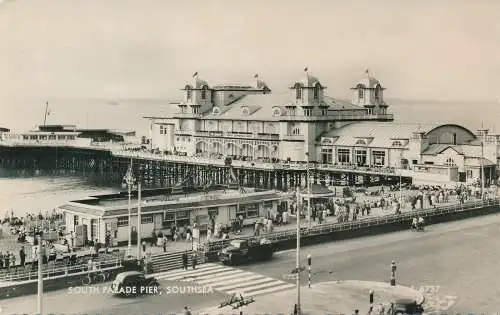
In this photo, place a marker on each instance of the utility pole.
(40, 277)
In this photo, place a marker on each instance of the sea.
(30, 193)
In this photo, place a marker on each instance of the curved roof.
(308, 81)
(369, 82)
(454, 126)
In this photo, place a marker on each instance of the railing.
(322, 229)
(332, 115)
(21, 274)
(249, 135)
(256, 164)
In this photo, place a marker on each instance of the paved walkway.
(337, 297)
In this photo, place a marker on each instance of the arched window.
(377, 92)
(245, 111)
(216, 111)
(397, 143)
(276, 112)
(189, 92)
(204, 92)
(449, 162)
(317, 88)
(361, 142)
(361, 93)
(298, 91)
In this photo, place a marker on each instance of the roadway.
(462, 258)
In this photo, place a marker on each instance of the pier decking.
(110, 160)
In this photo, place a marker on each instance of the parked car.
(131, 283)
(406, 306)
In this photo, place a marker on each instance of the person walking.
(143, 246)
(187, 311)
(164, 244)
(194, 261)
(185, 261)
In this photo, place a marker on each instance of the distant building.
(69, 134)
(159, 211)
(251, 123)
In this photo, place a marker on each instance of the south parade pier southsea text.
(148, 290)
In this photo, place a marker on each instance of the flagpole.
(46, 112)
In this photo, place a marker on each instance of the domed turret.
(198, 95)
(308, 93)
(368, 93)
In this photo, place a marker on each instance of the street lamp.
(129, 180)
(400, 179)
(298, 251)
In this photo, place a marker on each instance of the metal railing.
(257, 164)
(21, 274)
(328, 228)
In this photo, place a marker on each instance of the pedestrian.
(143, 246)
(194, 261)
(7, 260)
(184, 261)
(164, 244)
(187, 311)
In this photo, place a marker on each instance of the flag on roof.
(256, 75)
(305, 69)
(195, 74)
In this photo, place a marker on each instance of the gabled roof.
(435, 149)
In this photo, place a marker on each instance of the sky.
(426, 49)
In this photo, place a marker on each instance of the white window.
(298, 91)
(317, 88)
(344, 156)
(122, 221)
(146, 218)
(307, 112)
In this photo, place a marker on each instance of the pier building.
(271, 140)
(249, 123)
(108, 214)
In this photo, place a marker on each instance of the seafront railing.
(327, 228)
(21, 274)
(255, 164)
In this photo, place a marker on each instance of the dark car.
(406, 306)
(242, 251)
(131, 283)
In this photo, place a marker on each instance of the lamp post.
(400, 179)
(482, 164)
(40, 277)
(298, 253)
(129, 180)
(308, 182)
(139, 201)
